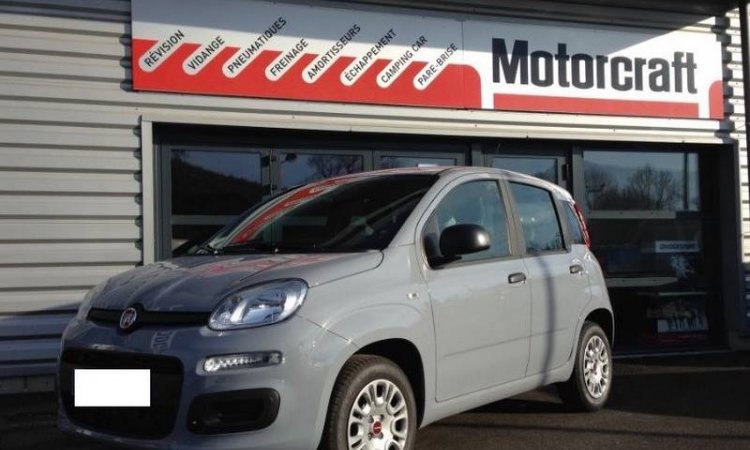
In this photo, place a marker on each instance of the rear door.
(481, 303)
(556, 275)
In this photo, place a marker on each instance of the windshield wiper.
(271, 247)
(208, 249)
(237, 247)
(234, 247)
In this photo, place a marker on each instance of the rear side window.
(477, 203)
(574, 226)
(539, 222)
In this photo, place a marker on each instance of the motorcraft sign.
(290, 51)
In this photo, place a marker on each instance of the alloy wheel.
(379, 418)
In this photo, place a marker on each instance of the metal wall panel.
(67, 160)
(106, 252)
(70, 148)
(36, 301)
(736, 117)
(48, 230)
(69, 171)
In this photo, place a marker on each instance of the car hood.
(197, 283)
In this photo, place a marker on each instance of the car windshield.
(352, 213)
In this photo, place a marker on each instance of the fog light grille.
(234, 411)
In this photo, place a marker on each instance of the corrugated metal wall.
(738, 316)
(69, 212)
(737, 116)
(736, 109)
(70, 188)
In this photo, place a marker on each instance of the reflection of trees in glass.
(647, 188)
(601, 189)
(197, 190)
(325, 166)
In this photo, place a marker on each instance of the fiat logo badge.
(128, 318)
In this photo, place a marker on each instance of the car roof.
(458, 171)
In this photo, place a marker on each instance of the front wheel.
(372, 407)
(590, 384)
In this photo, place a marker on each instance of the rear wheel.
(372, 407)
(589, 385)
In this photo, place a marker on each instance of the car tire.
(590, 384)
(359, 407)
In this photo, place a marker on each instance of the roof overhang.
(713, 7)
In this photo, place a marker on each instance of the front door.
(480, 303)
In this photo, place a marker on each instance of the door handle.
(576, 269)
(515, 278)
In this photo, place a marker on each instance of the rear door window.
(539, 221)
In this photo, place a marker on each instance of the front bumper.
(302, 382)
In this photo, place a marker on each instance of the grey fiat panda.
(347, 313)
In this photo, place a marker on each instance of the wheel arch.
(605, 319)
(406, 355)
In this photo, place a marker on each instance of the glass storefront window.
(214, 182)
(300, 168)
(544, 168)
(641, 181)
(647, 233)
(393, 162)
(209, 187)
(663, 248)
(205, 188)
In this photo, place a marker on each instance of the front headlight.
(259, 305)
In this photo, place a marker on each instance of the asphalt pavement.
(685, 402)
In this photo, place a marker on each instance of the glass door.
(391, 159)
(544, 161)
(541, 167)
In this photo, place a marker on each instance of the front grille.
(151, 317)
(153, 422)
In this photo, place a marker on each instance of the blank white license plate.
(112, 387)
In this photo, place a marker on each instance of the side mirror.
(462, 240)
